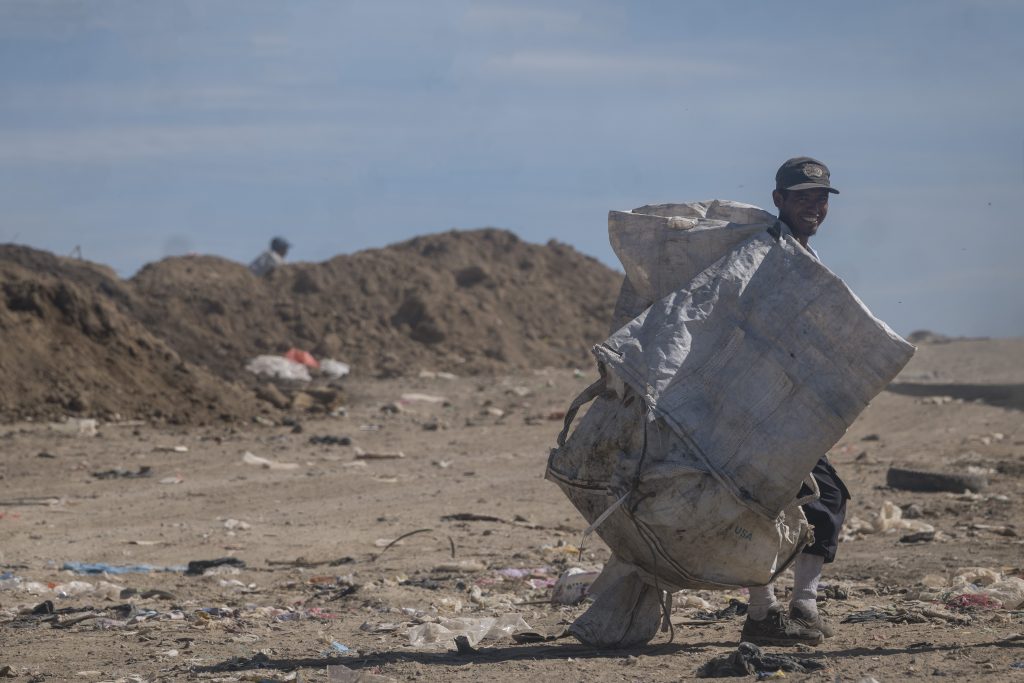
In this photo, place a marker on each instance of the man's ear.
(777, 198)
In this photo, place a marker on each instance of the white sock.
(762, 599)
(806, 574)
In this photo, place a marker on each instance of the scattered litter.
(735, 608)
(172, 449)
(252, 459)
(279, 367)
(893, 615)
(9, 581)
(201, 566)
(748, 659)
(103, 568)
(690, 600)
(889, 518)
(121, 473)
(573, 586)
(999, 530)
(1007, 593)
(329, 440)
(336, 673)
(32, 500)
(334, 368)
(470, 517)
(378, 455)
(176, 479)
(560, 548)
(973, 601)
(475, 630)
(338, 649)
(918, 537)
(461, 566)
(233, 524)
(302, 357)
(77, 427)
(430, 374)
(981, 576)
(422, 398)
(356, 464)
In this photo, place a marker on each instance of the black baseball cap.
(803, 173)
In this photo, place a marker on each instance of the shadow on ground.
(481, 656)
(576, 651)
(1002, 395)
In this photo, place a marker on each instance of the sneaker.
(817, 621)
(778, 629)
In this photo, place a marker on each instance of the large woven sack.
(718, 400)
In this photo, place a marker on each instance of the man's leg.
(826, 515)
(762, 600)
(768, 624)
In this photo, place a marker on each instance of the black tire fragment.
(917, 480)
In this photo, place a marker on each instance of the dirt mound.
(478, 301)
(70, 347)
(173, 341)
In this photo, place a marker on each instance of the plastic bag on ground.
(279, 367)
(890, 517)
(334, 368)
(474, 629)
(572, 586)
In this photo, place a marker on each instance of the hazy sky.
(138, 130)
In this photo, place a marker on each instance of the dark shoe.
(799, 617)
(778, 629)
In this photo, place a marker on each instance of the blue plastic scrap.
(103, 568)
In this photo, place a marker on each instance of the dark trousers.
(827, 513)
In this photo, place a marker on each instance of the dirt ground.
(321, 588)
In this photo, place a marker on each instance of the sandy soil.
(317, 570)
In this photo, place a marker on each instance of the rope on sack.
(600, 520)
(664, 597)
(586, 396)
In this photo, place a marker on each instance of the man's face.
(802, 210)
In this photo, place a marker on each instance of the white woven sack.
(730, 387)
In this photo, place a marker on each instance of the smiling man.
(802, 190)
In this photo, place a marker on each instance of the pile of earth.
(173, 341)
(72, 346)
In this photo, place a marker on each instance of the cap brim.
(812, 186)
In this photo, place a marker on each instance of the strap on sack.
(588, 395)
(815, 493)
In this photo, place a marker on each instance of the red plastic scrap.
(304, 357)
(973, 601)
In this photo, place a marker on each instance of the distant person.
(271, 258)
